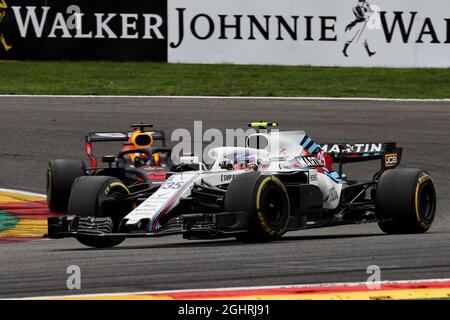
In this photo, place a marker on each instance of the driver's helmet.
(141, 159)
(245, 162)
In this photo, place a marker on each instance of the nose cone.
(136, 225)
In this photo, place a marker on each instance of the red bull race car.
(138, 164)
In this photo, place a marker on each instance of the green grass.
(144, 78)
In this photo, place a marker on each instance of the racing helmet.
(244, 161)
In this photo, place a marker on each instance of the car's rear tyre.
(99, 196)
(265, 199)
(405, 201)
(60, 175)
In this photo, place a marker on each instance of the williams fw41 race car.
(138, 164)
(253, 194)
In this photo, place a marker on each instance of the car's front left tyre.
(265, 200)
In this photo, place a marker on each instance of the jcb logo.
(390, 160)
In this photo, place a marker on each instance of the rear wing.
(157, 135)
(121, 136)
(387, 152)
(354, 152)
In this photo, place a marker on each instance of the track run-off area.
(34, 130)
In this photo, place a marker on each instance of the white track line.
(230, 98)
(301, 286)
(25, 193)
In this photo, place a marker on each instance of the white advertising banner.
(385, 33)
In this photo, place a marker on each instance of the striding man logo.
(3, 42)
(355, 29)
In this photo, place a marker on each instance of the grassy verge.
(135, 78)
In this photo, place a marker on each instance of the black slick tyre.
(405, 201)
(60, 175)
(265, 200)
(99, 196)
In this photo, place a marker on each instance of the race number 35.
(173, 185)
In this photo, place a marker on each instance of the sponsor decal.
(3, 42)
(164, 194)
(357, 147)
(81, 29)
(312, 176)
(309, 162)
(285, 166)
(322, 32)
(363, 12)
(30, 22)
(225, 27)
(390, 160)
(332, 195)
(227, 177)
(205, 26)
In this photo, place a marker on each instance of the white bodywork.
(280, 155)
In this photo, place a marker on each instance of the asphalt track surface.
(35, 130)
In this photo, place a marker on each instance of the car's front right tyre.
(99, 196)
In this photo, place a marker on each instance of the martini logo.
(309, 162)
(357, 147)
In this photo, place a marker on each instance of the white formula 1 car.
(253, 195)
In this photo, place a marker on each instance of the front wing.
(191, 226)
